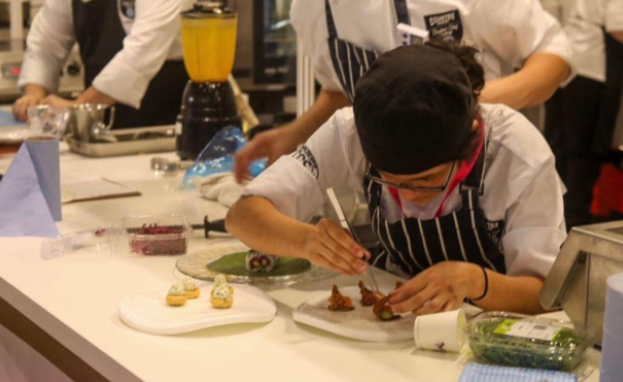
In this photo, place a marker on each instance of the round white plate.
(195, 265)
(360, 324)
(150, 313)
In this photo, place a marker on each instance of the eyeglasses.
(405, 186)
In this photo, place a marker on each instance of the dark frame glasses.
(404, 186)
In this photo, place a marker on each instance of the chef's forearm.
(92, 95)
(327, 103)
(35, 90)
(512, 294)
(618, 35)
(257, 223)
(534, 84)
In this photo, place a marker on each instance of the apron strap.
(475, 180)
(402, 15)
(330, 21)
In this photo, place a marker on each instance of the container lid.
(517, 331)
(208, 9)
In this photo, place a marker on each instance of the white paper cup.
(440, 331)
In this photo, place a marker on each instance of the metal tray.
(128, 142)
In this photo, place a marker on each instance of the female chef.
(464, 198)
(131, 51)
(525, 54)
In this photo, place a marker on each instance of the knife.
(346, 225)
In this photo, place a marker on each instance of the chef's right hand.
(20, 107)
(330, 246)
(270, 144)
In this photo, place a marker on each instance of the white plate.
(150, 313)
(360, 324)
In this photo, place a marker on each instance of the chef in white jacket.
(131, 51)
(581, 117)
(525, 54)
(464, 198)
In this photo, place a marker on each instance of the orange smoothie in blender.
(209, 47)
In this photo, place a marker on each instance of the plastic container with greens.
(537, 342)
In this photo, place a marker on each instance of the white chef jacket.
(585, 30)
(153, 36)
(507, 32)
(521, 186)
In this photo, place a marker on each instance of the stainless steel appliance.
(577, 281)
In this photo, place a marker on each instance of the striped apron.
(350, 61)
(412, 245)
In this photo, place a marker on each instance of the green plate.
(235, 265)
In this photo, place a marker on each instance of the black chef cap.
(413, 109)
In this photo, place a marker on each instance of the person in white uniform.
(464, 198)
(581, 117)
(131, 51)
(525, 54)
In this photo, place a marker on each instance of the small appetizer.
(177, 295)
(260, 262)
(339, 303)
(383, 310)
(368, 297)
(192, 291)
(222, 295)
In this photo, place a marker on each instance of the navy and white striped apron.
(414, 244)
(350, 61)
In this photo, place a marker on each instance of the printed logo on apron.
(128, 8)
(305, 156)
(445, 26)
(494, 230)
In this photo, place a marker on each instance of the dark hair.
(476, 74)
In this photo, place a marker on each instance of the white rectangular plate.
(150, 313)
(360, 324)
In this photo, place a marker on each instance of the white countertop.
(75, 299)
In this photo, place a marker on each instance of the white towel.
(221, 188)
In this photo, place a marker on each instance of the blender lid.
(208, 9)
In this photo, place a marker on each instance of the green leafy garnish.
(235, 265)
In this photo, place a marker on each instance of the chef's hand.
(270, 144)
(56, 101)
(330, 246)
(20, 107)
(440, 288)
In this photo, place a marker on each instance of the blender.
(208, 103)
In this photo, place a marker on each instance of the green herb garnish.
(563, 352)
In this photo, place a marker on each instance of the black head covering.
(413, 109)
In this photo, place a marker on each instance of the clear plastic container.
(537, 342)
(165, 235)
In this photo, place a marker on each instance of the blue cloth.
(490, 373)
(30, 192)
(218, 156)
(6, 118)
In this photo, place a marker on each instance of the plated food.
(258, 262)
(383, 310)
(176, 295)
(377, 300)
(338, 302)
(368, 297)
(222, 296)
(192, 291)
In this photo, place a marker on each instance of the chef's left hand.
(56, 101)
(440, 288)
